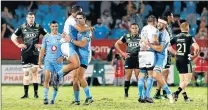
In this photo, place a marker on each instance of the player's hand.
(63, 34)
(22, 46)
(40, 65)
(67, 38)
(37, 45)
(60, 59)
(125, 55)
(92, 28)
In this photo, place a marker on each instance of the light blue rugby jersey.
(52, 45)
(164, 39)
(84, 51)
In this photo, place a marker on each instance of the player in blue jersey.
(53, 60)
(83, 43)
(71, 28)
(161, 56)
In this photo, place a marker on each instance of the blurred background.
(111, 20)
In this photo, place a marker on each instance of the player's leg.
(75, 87)
(149, 84)
(136, 71)
(26, 78)
(72, 58)
(84, 84)
(140, 85)
(128, 73)
(165, 73)
(34, 69)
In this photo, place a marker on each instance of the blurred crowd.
(111, 19)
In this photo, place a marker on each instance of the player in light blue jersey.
(83, 43)
(71, 28)
(53, 60)
(161, 56)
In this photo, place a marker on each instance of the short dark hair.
(53, 22)
(81, 13)
(167, 13)
(151, 18)
(134, 24)
(30, 13)
(76, 8)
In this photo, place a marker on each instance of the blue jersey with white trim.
(52, 46)
(164, 39)
(86, 50)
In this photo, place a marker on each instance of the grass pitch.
(105, 98)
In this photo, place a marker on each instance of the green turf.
(105, 98)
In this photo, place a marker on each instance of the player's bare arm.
(41, 55)
(15, 41)
(117, 46)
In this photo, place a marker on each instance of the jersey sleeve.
(156, 33)
(43, 31)
(18, 31)
(87, 36)
(44, 42)
(123, 39)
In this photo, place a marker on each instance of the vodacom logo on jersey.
(53, 48)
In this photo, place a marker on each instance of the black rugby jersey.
(132, 43)
(183, 43)
(30, 36)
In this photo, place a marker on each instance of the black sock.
(126, 86)
(158, 92)
(26, 87)
(185, 95)
(35, 85)
(179, 90)
(164, 92)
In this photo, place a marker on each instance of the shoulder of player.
(127, 35)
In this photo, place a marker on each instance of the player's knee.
(26, 71)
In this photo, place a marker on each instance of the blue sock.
(54, 94)
(76, 96)
(141, 87)
(60, 74)
(166, 88)
(46, 93)
(149, 87)
(144, 91)
(87, 92)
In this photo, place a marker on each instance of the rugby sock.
(87, 92)
(126, 86)
(185, 95)
(26, 87)
(35, 85)
(179, 90)
(141, 87)
(54, 94)
(158, 92)
(60, 74)
(46, 93)
(149, 87)
(76, 96)
(166, 88)
(164, 92)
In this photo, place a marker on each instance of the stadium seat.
(98, 71)
(198, 17)
(43, 8)
(55, 8)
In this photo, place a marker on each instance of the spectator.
(105, 5)
(191, 13)
(118, 32)
(6, 30)
(147, 10)
(101, 30)
(203, 33)
(126, 22)
(204, 16)
(107, 18)
(134, 15)
(7, 16)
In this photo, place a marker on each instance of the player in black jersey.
(184, 41)
(131, 55)
(30, 33)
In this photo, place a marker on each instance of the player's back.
(148, 32)
(69, 27)
(86, 50)
(183, 44)
(52, 46)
